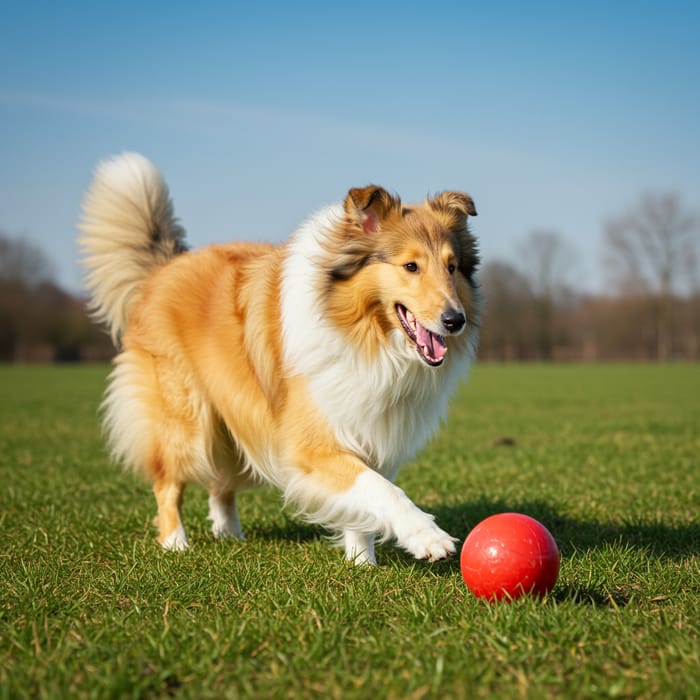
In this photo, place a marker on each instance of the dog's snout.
(453, 320)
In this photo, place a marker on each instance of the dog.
(318, 366)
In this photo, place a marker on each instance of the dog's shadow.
(288, 530)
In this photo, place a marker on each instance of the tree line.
(533, 311)
(40, 321)
(650, 311)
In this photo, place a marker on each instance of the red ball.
(508, 555)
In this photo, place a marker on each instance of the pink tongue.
(435, 343)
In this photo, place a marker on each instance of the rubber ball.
(509, 555)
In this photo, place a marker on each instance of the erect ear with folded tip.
(369, 206)
(459, 204)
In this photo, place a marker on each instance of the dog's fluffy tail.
(129, 230)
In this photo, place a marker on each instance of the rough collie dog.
(318, 366)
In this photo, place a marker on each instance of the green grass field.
(605, 456)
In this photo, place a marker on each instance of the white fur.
(372, 505)
(395, 516)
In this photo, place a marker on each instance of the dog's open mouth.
(430, 346)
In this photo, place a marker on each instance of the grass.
(605, 456)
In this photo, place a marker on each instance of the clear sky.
(554, 115)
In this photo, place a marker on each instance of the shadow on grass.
(289, 531)
(573, 535)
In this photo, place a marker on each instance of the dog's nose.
(453, 321)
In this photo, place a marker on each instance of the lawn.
(605, 456)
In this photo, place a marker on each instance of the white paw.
(430, 543)
(176, 541)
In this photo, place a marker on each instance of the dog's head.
(409, 268)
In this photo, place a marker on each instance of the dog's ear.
(459, 204)
(457, 207)
(369, 206)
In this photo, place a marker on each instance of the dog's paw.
(176, 541)
(431, 543)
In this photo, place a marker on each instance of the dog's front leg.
(339, 491)
(397, 516)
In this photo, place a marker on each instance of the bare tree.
(505, 329)
(23, 269)
(546, 260)
(652, 251)
(23, 262)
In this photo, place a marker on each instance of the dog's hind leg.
(231, 476)
(171, 532)
(161, 425)
(224, 515)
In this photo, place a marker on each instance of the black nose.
(453, 321)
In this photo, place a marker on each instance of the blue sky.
(552, 115)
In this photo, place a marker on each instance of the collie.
(318, 366)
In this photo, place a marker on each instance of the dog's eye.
(411, 267)
(451, 268)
